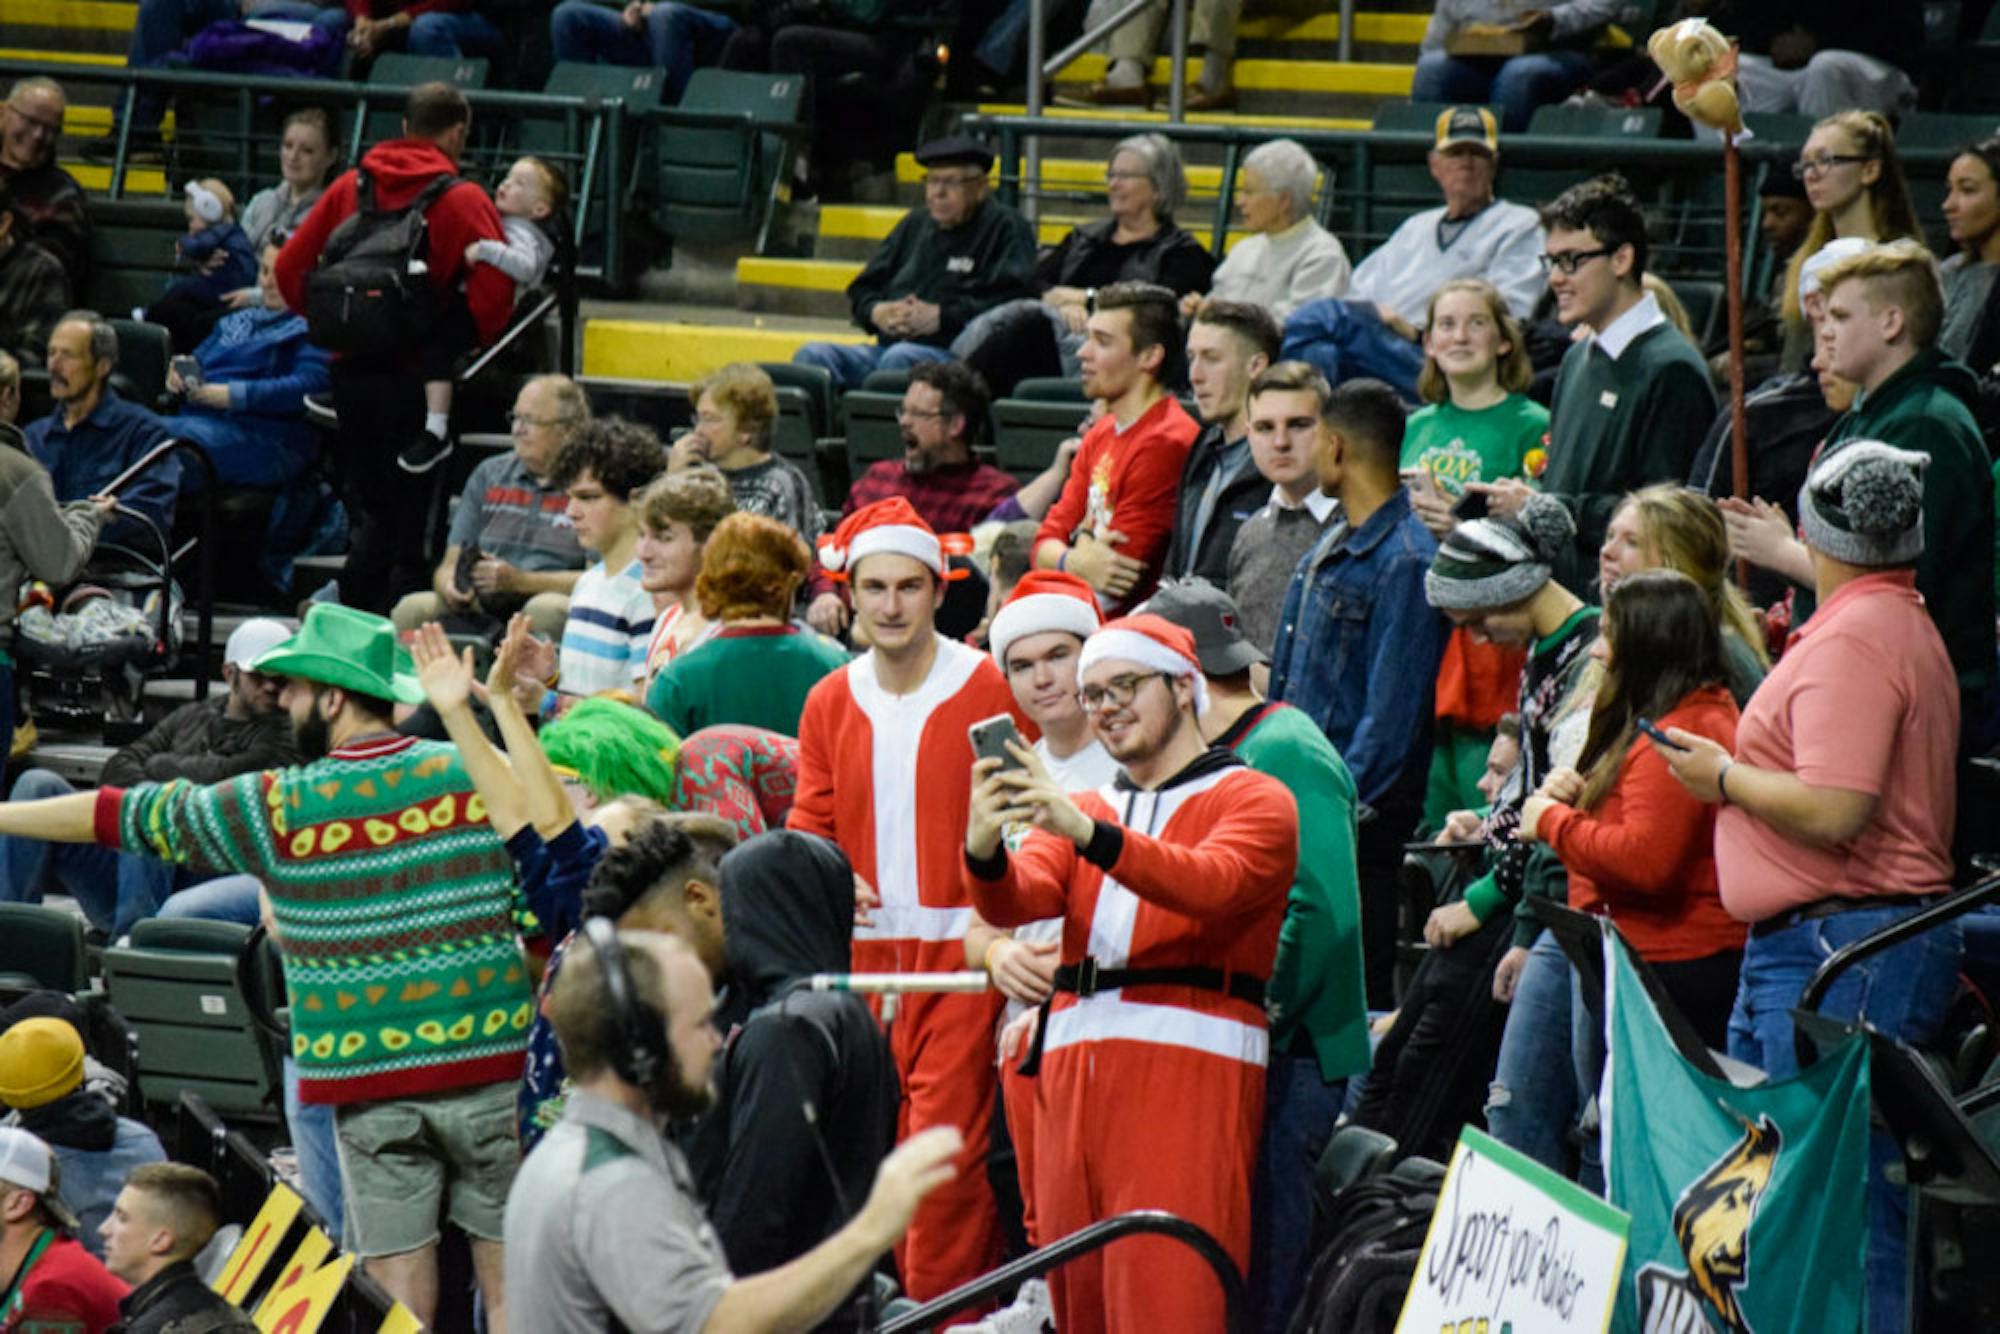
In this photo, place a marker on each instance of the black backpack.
(371, 294)
(1363, 1270)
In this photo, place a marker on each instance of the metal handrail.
(1098, 1235)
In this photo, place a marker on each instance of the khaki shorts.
(406, 1162)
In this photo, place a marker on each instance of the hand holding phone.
(989, 738)
(1647, 726)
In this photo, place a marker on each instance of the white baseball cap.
(253, 639)
(26, 1161)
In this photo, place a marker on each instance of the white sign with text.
(1513, 1249)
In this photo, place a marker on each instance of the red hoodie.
(402, 168)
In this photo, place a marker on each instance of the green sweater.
(393, 902)
(753, 676)
(1458, 447)
(1923, 407)
(1618, 425)
(1316, 986)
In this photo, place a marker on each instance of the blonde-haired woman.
(1479, 427)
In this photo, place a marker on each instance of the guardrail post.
(1177, 68)
(1038, 36)
(1346, 30)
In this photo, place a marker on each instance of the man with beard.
(1171, 886)
(392, 902)
(942, 412)
(92, 435)
(604, 1221)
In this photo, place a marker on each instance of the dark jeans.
(1300, 1107)
(850, 126)
(381, 411)
(114, 889)
(1378, 860)
(1345, 339)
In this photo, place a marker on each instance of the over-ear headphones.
(635, 1032)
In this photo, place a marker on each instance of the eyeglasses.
(1115, 693)
(918, 415)
(1572, 260)
(521, 421)
(1113, 177)
(48, 129)
(1825, 162)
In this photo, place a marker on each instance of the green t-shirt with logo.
(1458, 447)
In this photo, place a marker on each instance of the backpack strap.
(364, 190)
(435, 191)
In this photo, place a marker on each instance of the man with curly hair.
(611, 614)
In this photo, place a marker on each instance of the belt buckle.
(1086, 976)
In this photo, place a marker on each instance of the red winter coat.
(402, 168)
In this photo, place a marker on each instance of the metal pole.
(1094, 35)
(1732, 241)
(1031, 168)
(1177, 74)
(1346, 30)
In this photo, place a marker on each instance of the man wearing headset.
(604, 1222)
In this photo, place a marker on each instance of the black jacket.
(1087, 258)
(202, 744)
(1785, 419)
(176, 1301)
(764, 1165)
(1242, 493)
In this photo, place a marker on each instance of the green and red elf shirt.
(394, 903)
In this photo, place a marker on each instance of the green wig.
(615, 749)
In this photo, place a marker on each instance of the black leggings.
(1704, 991)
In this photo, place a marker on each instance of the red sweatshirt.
(402, 168)
(1646, 855)
(1127, 482)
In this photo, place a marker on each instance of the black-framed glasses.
(1825, 162)
(1115, 693)
(1571, 260)
(919, 415)
(48, 129)
(517, 421)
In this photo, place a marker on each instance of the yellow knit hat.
(41, 1059)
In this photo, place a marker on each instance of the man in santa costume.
(884, 771)
(1037, 637)
(1171, 885)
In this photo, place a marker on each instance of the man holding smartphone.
(885, 771)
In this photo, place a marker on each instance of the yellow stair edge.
(873, 222)
(1066, 173)
(1287, 76)
(1387, 29)
(681, 353)
(805, 275)
(97, 120)
(63, 57)
(96, 177)
(1257, 122)
(96, 15)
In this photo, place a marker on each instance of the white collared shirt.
(1620, 334)
(1317, 503)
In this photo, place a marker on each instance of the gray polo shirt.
(603, 1221)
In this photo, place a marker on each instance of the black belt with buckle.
(1833, 907)
(1086, 979)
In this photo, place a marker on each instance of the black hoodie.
(766, 1174)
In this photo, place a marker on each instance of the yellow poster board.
(306, 1288)
(259, 1244)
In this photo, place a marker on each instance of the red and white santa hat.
(891, 525)
(1149, 641)
(1044, 601)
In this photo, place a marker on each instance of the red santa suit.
(1152, 1091)
(889, 778)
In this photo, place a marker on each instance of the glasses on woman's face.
(1115, 693)
(1824, 163)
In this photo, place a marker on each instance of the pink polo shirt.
(1864, 699)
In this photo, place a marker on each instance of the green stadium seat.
(1935, 129)
(872, 431)
(143, 353)
(1539, 184)
(41, 948)
(793, 437)
(1778, 127)
(194, 1029)
(396, 69)
(131, 252)
(815, 382)
(1706, 313)
(1050, 389)
(1028, 431)
(550, 136)
(714, 180)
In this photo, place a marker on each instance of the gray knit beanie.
(1864, 504)
(1487, 563)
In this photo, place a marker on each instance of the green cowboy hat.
(355, 650)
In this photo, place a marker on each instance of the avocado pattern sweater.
(394, 905)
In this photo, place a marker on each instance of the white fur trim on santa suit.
(1144, 651)
(895, 539)
(1036, 614)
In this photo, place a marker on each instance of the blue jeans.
(114, 889)
(1587, 1055)
(311, 1125)
(1533, 1101)
(1343, 339)
(851, 363)
(677, 38)
(452, 35)
(228, 898)
(1300, 1108)
(1903, 993)
(1516, 85)
(163, 27)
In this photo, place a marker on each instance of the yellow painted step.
(1066, 174)
(805, 275)
(88, 121)
(1387, 29)
(96, 176)
(873, 222)
(682, 353)
(1287, 76)
(63, 57)
(1275, 124)
(96, 15)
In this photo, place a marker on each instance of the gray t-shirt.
(1968, 284)
(603, 1221)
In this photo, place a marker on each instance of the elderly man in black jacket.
(204, 742)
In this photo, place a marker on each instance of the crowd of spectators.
(1326, 572)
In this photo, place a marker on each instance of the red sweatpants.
(943, 1045)
(1125, 1125)
(1017, 1092)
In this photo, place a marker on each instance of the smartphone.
(990, 737)
(1471, 505)
(1420, 481)
(1647, 726)
(190, 372)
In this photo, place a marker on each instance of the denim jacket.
(1358, 647)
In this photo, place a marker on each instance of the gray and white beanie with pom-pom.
(1864, 504)
(1487, 563)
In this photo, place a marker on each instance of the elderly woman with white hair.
(1144, 183)
(1289, 259)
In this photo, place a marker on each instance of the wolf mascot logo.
(1712, 1225)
